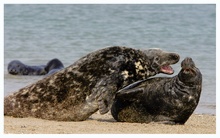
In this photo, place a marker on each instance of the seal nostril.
(175, 56)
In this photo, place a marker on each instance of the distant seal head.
(16, 67)
(88, 85)
(165, 100)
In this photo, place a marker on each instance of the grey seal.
(53, 66)
(16, 67)
(88, 85)
(169, 100)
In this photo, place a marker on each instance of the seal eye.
(155, 63)
(156, 58)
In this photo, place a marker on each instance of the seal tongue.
(167, 69)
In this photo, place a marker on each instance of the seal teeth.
(189, 71)
(167, 69)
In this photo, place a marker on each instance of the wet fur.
(16, 67)
(53, 66)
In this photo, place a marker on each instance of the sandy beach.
(105, 124)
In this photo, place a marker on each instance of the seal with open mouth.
(166, 100)
(89, 84)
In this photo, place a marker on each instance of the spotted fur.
(88, 85)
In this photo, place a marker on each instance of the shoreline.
(105, 124)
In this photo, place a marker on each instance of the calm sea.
(34, 34)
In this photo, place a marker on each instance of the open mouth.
(167, 69)
(189, 71)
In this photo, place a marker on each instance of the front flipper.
(131, 91)
(135, 84)
(105, 93)
(161, 119)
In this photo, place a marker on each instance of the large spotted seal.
(88, 85)
(167, 100)
(16, 67)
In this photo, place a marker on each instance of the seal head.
(189, 72)
(16, 67)
(160, 58)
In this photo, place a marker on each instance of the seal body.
(53, 66)
(88, 85)
(165, 100)
(16, 67)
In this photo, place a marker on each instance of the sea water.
(35, 34)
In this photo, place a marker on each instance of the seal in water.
(16, 67)
(53, 66)
(88, 85)
(165, 100)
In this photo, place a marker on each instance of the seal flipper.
(131, 91)
(105, 91)
(130, 86)
(161, 119)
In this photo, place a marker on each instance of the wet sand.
(105, 124)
